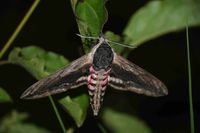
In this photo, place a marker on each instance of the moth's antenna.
(89, 37)
(128, 46)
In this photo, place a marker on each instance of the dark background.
(52, 26)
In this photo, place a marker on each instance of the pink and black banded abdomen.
(97, 83)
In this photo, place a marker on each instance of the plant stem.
(190, 84)
(19, 27)
(57, 114)
(103, 130)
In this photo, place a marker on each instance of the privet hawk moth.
(100, 68)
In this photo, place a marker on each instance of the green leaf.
(160, 17)
(116, 38)
(41, 63)
(119, 122)
(112, 37)
(4, 96)
(13, 123)
(91, 15)
(37, 61)
(76, 107)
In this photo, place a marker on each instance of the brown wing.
(71, 76)
(130, 77)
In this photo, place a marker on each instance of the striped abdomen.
(97, 83)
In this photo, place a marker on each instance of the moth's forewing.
(71, 76)
(130, 77)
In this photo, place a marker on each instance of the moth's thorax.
(97, 83)
(103, 55)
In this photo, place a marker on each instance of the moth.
(100, 68)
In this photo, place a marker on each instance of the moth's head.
(101, 54)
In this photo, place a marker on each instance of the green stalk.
(19, 27)
(101, 127)
(190, 84)
(57, 114)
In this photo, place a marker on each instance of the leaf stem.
(57, 114)
(190, 84)
(19, 27)
(101, 127)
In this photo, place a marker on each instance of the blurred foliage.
(118, 122)
(76, 107)
(159, 17)
(37, 61)
(4, 96)
(14, 123)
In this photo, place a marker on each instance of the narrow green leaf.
(4, 96)
(119, 122)
(57, 114)
(76, 107)
(19, 27)
(192, 125)
(37, 61)
(161, 17)
(14, 123)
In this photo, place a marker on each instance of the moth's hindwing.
(71, 76)
(129, 77)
